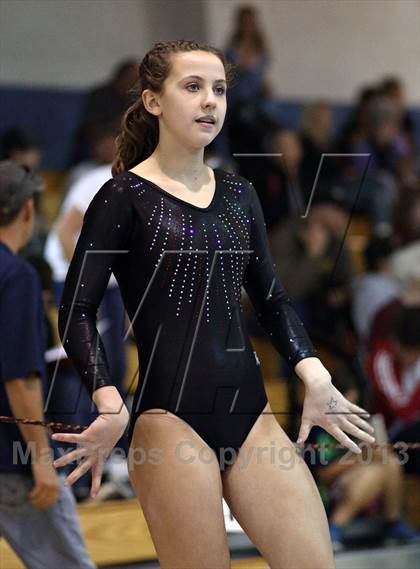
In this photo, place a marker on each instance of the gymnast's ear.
(151, 102)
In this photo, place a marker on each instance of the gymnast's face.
(196, 86)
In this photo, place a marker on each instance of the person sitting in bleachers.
(393, 364)
(19, 144)
(350, 484)
(375, 287)
(317, 271)
(370, 181)
(316, 133)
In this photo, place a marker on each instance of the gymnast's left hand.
(94, 446)
(325, 406)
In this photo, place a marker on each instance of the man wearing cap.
(38, 516)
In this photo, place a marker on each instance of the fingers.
(304, 431)
(361, 423)
(44, 495)
(97, 470)
(356, 432)
(81, 469)
(68, 437)
(342, 438)
(70, 457)
(358, 410)
(37, 495)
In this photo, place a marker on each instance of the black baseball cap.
(18, 183)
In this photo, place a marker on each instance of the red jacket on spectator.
(396, 391)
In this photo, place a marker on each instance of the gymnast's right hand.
(97, 441)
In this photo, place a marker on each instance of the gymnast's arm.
(101, 248)
(103, 242)
(288, 335)
(272, 304)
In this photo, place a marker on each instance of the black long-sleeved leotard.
(180, 269)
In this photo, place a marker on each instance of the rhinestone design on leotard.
(236, 238)
(174, 248)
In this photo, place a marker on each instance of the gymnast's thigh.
(273, 495)
(176, 478)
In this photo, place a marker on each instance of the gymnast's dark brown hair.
(139, 134)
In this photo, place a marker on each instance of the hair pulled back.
(139, 134)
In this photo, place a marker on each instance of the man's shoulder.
(16, 271)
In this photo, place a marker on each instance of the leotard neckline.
(216, 172)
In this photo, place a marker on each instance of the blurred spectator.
(405, 264)
(247, 49)
(356, 127)
(248, 119)
(316, 131)
(371, 194)
(392, 87)
(102, 140)
(316, 270)
(375, 287)
(278, 178)
(407, 217)
(383, 324)
(407, 166)
(393, 365)
(375, 128)
(35, 506)
(246, 131)
(20, 146)
(384, 138)
(104, 103)
(378, 152)
(352, 485)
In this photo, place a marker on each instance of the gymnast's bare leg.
(277, 502)
(181, 497)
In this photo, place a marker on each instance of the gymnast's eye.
(220, 90)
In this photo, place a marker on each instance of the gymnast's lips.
(207, 119)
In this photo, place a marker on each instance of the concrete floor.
(398, 557)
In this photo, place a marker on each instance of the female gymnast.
(182, 239)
